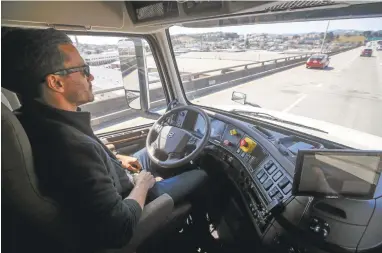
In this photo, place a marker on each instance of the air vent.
(294, 5)
(152, 10)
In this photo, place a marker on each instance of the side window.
(127, 87)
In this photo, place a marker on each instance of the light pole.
(322, 45)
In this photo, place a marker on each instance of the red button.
(227, 143)
(243, 143)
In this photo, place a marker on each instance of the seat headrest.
(5, 101)
(10, 99)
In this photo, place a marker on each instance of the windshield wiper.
(271, 117)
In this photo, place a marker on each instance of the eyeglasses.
(84, 69)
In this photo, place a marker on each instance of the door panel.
(130, 148)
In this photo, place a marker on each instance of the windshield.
(268, 66)
(317, 57)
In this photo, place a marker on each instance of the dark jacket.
(81, 174)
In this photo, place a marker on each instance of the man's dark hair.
(28, 55)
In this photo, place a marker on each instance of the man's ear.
(55, 83)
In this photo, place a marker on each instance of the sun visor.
(227, 13)
(295, 11)
(88, 14)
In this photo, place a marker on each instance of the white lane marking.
(295, 103)
(319, 85)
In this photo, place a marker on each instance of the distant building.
(101, 59)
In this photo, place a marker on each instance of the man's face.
(77, 86)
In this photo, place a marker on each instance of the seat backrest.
(19, 184)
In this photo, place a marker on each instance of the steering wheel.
(171, 142)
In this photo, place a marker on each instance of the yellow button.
(233, 132)
(247, 145)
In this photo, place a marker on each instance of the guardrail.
(192, 76)
(196, 84)
(195, 75)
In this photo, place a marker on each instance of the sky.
(279, 28)
(295, 27)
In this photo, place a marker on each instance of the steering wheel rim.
(177, 135)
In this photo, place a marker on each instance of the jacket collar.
(79, 120)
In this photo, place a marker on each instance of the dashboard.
(261, 165)
(217, 127)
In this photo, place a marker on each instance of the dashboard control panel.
(261, 178)
(243, 146)
(273, 181)
(243, 179)
(319, 227)
(264, 179)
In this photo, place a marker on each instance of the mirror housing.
(239, 97)
(133, 99)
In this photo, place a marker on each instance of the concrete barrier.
(116, 108)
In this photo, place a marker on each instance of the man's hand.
(143, 182)
(130, 163)
(144, 179)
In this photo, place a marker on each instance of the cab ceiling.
(153, 16)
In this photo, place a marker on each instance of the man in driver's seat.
(74, 167)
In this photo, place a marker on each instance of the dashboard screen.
(217, 127)
(339, 173)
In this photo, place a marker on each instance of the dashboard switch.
(325, 232)
(247, 145)
(260, 174)
(320, 227)
(263, 178)
(273, 192)
(268, 165)
(283, 182)
(243, 143)
(278, 196)
(227, 143)
(272, 169)
(268, 184)
(277, 175)
(287, 189)
(233, 132)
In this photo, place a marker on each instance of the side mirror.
(239, 97)
(133, 99)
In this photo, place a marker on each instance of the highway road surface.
(347, 93)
